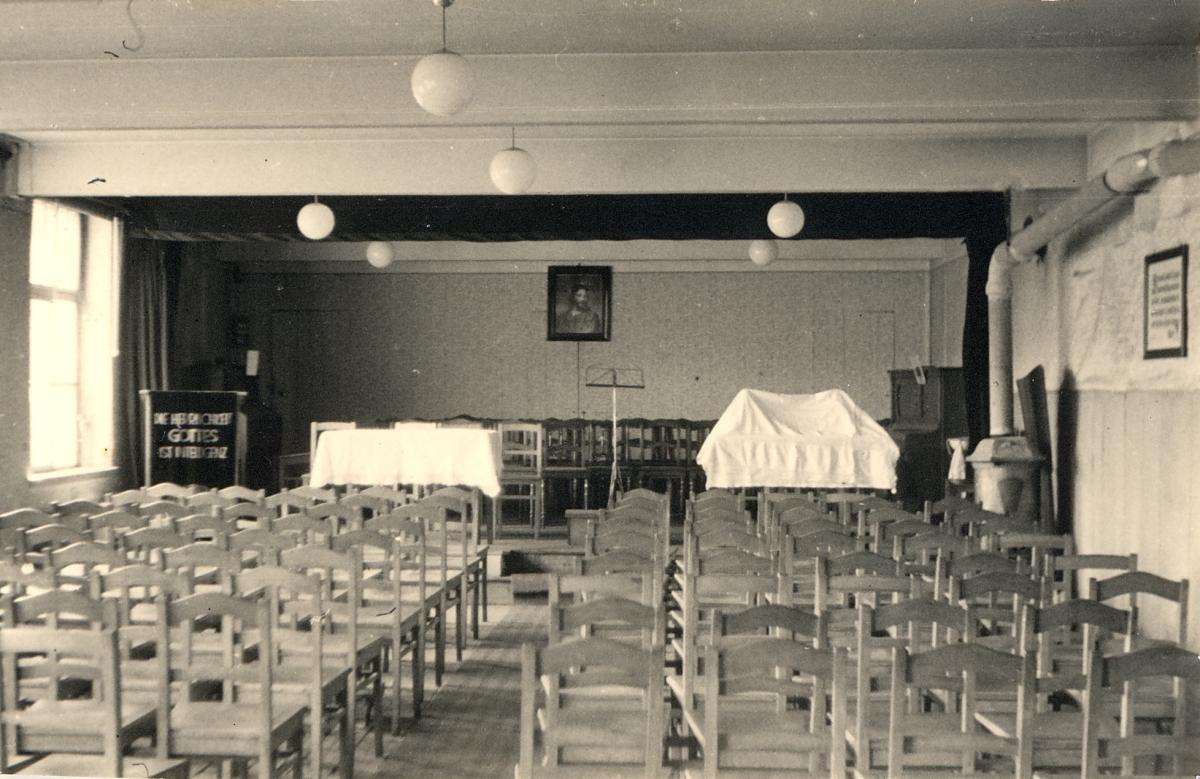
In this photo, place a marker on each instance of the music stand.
(614, 378)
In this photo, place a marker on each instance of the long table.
(409, 454)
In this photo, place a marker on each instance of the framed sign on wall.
(579, 303)
(1164, 310)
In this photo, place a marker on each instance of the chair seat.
(229, 729)
(69, 726)
(93, 765)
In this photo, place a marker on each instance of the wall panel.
(435, 345)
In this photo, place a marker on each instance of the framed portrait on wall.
(579, 303)
(1164, 309)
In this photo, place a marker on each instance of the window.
(72, 338)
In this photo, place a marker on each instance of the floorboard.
(469, 726)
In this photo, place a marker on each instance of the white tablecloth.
(409, 454)
(764, 439)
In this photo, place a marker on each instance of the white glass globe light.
(785, 219)
(512, 171)
(315, 221)
(380, 254)
(442, 83)
(763, 252)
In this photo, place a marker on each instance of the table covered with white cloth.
(766, 439)
(409, 454)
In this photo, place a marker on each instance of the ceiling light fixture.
(380, 254)
(513, 170)
(442, 82)
(786, 219)
(763, 252)
(315, 220)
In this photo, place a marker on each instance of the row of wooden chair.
(365, 586)
(960, 663)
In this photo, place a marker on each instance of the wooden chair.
(242, 494)
(431, 578)
(1113, 687)
(521, 477)
(162, 510)
(367, 506)
(73, 565)
(1131, 587)
(390, 613)
(313, 495)
(341, 575)
(205, 527)
(999, 599)
(921, 742)
(85, 736)
(704, 594)
(146, 545)
(250, 515)
(611, 735)
(744, 723)
(203, 567)
(207, 500)
(248, 723)
(171, 491)
(284, 502)
(78, 507)
(467, 507)
(130, 497)
(1063, 636)
(396, 497)
(624, 607)
(107, 525)
(1064, 571)
(917, 624)
(306, 671)
(257, 546)
(339, 516)
(566, 459)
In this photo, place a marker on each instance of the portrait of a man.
(579, 303)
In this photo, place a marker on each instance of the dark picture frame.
(579, 303)
(1164, 304)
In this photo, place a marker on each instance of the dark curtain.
(988, 229)
(148, 282)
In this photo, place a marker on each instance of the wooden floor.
(469, 725)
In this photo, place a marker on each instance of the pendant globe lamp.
(763, 252)
(315, 220)
(786, 218)
(442, 82)
(380, 254)
(513, 170)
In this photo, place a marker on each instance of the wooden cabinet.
(924, 415)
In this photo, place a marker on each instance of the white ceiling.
(85, 29)
(275, 97)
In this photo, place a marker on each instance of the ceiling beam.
(1011, 85)
(263, 164)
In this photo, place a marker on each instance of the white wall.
(433, 345)
(1125, 428)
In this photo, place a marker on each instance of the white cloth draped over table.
(764, 439)
(409, 454)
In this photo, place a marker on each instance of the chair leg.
(418, 672)
(483, 586)
(315, 750)
(347, 762)
(397, 669)
(377, 709)
(474, 588)
(460, 618)
(439, 643)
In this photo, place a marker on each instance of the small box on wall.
(1164, 308)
